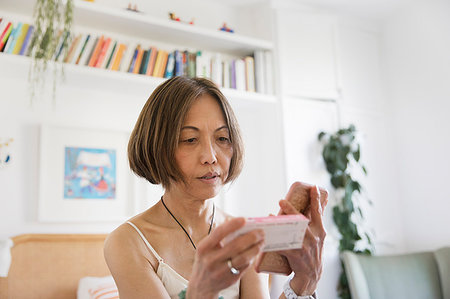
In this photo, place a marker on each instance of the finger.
(246, 258)
(220, 232)
(287, 207)
(240, 244)
(316, 207)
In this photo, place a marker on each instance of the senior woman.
(187, 139)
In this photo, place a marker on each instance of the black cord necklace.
(182, 227)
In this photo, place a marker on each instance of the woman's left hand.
(306, 262)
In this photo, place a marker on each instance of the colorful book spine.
(103, 51)
(163, 64)
(249, 73)
(133, 59)
(64, 39)
(88, 51)
(192, 65)
(138, 62)
(72, 48)
(157, 64)
(117, 60)
(109, 56)
(127, 57)
(9, 47)
(96, 53)
(170, 65)
(26, 42)
(151, 61)
(233, 74)
(144, 64)
(83, 48)
(5, 35)
(178, 63)
(20, 38)
(185, 63)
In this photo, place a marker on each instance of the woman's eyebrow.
(197, 129)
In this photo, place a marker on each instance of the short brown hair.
(152, 144)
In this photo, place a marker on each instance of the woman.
(187, 139)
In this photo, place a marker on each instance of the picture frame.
(84, 175)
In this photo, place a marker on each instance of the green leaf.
(321, 135)
(357, 154)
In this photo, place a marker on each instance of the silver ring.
(233, 270)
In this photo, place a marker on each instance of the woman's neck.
(193, 213)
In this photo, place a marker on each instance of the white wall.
(416, 47)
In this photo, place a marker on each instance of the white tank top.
(174, 282)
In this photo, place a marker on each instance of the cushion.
(97, 288)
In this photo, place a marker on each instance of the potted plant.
(51, 17)
(340, 151)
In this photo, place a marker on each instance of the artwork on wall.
(5, 151)
(84, 175)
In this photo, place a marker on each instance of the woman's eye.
(224, 139)
(189, 140)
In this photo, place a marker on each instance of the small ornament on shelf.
(133, 7)
(174, 17)
(5, 152)
(226, 28)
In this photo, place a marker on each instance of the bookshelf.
(140, 26)
(85, 75)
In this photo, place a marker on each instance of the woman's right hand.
(211, 272)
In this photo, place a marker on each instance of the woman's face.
(204, 150)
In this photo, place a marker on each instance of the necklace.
(182, 227)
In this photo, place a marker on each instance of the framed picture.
(84, 175)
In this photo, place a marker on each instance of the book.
(226, 74)
(144, 64)
(203, 65)
(151, 61)
(103, 51)
(27, 41)
(72, 47)
(127, 57)
(59, 37)
(233, 74)
(178, 71)
(185, 63)
(109, 55)
(164, 63)
(157, 63)
(20, 38)
(83, 48)
(192, 57)
(170, 65)
(216, 70)
(12, 38)
(240, 74)
(117, 60)
(5, 35)
(98, 47)
(137, 65)
(133, 59)
(249, 73)
(260, 71)
(64, 40)
(88, 50)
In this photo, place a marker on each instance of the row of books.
(248, 73)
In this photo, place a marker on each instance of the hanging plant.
(52, 21)
(341, 152)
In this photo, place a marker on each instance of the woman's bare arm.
(130, 264)
(254, 285)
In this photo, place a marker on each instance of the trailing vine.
(52, 19)
(341, 152)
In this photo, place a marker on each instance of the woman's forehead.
(204, 109)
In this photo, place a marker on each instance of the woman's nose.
(208, 154)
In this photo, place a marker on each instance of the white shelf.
(88, 77)
(145, 26)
